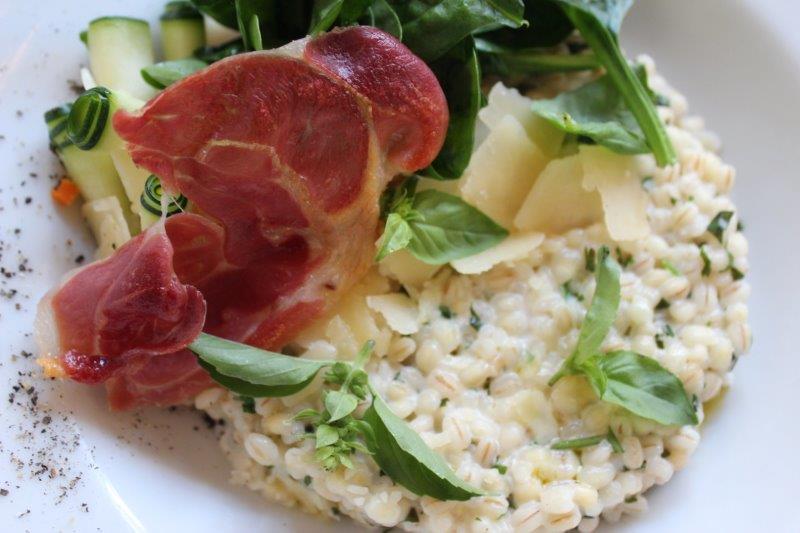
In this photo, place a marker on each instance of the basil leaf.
(162, 75)
(609, 12)
(340, 404)
(598, 111)
(643, 387)
(396, 236)
(245, 388)
(432, 27)
(599, 318)
(598, 21)
(384, 17)
(447, 228)
(719, 224)
(407, 460)
(256, 367)
(510, 61)
(460, 77)
(326, 436)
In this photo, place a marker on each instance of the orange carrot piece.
(65, 192)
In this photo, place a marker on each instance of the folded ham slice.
(283, 155)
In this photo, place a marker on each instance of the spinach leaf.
(405, 457)
(598, 21)
(432, 27)
(608, 12)
(598, 111)
(162, 75)
(381, 15)
(249, 15)
(396, 236)
(324, 15)
(509, 61)
(237, 364)
(642, 386)
(211, 54)
(446, 228)
(223, 11)
(547, 26)
(459, 75)
(352, 10)
(600, 316)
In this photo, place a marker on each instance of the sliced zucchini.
(119, 48)
(93, 172)
(182, 30)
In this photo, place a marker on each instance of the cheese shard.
(504, 101)
(407, 269)
(502, 171)
(512, 248)
(399, 311)
(108, 224)
(558, 201)
(616, 178)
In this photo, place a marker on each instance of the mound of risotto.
(469, 354)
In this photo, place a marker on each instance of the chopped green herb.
(631, 499)
(662, 304)
(307, 481)
(673, 200)
(623, 259)
(666, 264)
(668, 331)
(444, 402)
(614, 442)
(706, 262)
(445, 311)
(474, 319)
(500, 468)
(248, 404)
(647, 183)
(590, 257)
(573, 444)
(735, 272)
(568, 292)
(719, 224)
(739, 225)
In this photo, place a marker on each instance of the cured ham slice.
(283, 155)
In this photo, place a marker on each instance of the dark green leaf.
(249, 365)
(432, 27)
(385, 18)
(324, 15)
(719, 224)
(407, 460)
(249, 16)
(507, 61)
(573, 444)
(598, 111)
(210, 54)
(547, 26)
(448, 228)
(609, 12)
(396, 236)
(340, 404)
(248, 404)
(223, 11)
(162, 75)
(706, 262)
(460, 77)
(352, 10)
(643, 387)
(600, 35)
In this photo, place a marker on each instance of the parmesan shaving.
(514, 248)
(399, 311)
(407, 269)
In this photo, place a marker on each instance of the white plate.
(154, 472)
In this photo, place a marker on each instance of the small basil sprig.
(162, 75)
(436, 227)
(637, 383)
(337, 433)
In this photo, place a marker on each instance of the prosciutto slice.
(283, 155)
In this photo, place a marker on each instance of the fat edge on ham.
(284, 155)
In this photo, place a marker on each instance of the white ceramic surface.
(736, 60)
